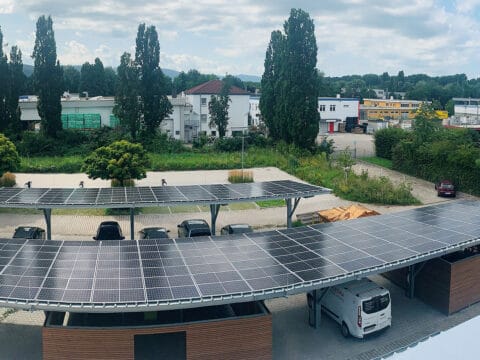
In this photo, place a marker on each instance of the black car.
(29, 232)
(193, 227)
(154, 233)
(236, 229)
(109, 230)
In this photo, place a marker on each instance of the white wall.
(237, 113)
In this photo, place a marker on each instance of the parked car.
(154, 233)
(445, 188)
(193, 227)
(109, 230)
(236, 229)
(29, 232)
(361, 307)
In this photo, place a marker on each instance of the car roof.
(195, 222)
(112, 223)
(239, 226)
(154, 230)
(26, 231)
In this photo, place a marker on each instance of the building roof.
(214, 87)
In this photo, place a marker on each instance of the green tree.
(4, 88)
(299, 90)
(111, 80)
(9, 159)
(426, 124)
(192, 78)
(127, 106)
(17, 81)
(218, 107)
(48, 77)
(92, 79)
(271, 80)
(71, 78)
(152, 83)
(120, 161)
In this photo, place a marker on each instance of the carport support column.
(132, 223)
(47, 213)
(314, 308)
(289, 212)
(214, 209)
(411, 282)
(291, 209)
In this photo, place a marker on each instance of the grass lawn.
(270, 203)
(378, 161)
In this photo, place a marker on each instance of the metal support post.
(412, 273)
(291, 210)
(214, 209)
(132, 223)
(314, 299)
(47, 213)
(411, 282)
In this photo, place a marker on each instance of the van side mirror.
(94, 238)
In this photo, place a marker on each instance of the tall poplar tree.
(17, 84)
(47, 77)
(271, 84)
(154, 102)
(291, 80)
(4, 87)
(127, 106)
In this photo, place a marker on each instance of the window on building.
(332, 107)
(177, 132)
(203, 118)
(322, 107)
(203, 101)
(214, 133)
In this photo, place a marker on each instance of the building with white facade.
(335, 111)
(199, 97)
(71, 105)
(255, 114)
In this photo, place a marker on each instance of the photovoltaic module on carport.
(155, 195)
(118, 276)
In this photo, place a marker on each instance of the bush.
(386, 140)
(162, 143)
(9, 159)
(8, 180)
(240, 176)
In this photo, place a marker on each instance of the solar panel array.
(170, 273)
(155, 195)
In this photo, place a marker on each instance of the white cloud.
(6, 6)
(75, 53)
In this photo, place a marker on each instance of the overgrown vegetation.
(315, 167)
(240, 176)
(375, 160)
(433, 153)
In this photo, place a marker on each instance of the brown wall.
(243, 338)
(449, 287)
(465, 283)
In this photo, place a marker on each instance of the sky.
(433, 37)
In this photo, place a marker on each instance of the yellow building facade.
(388, 109)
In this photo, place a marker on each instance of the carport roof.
(158, 274)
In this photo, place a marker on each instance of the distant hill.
(251, 78)
(28, 71)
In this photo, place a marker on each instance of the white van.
(361, 307)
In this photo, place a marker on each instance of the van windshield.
(377, 303)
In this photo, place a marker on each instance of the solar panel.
(154, 196)
(171, 273)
